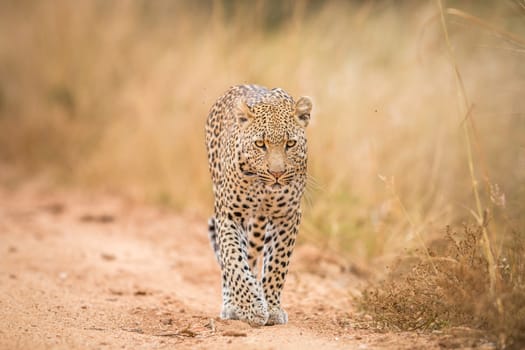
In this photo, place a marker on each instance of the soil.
(96, 271)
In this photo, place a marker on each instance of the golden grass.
(462, 283)
(115, 94)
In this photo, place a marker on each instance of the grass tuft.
(452, 288)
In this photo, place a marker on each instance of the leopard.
(257, 153)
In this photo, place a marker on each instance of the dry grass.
(114, 95)
(462, 283)
(453, 288)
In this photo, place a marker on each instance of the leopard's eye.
(291, 143)
(260, 144)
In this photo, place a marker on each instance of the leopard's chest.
(254, 200)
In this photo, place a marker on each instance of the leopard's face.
(272, 141)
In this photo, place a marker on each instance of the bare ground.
(95, 271)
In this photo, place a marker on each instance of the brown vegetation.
(452, 288)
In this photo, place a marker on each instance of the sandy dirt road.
(93, 271)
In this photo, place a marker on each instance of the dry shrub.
(450, 287)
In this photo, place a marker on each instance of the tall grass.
(115, 95)
(468, 280)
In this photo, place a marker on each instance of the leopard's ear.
(303, 107)
(242, 113)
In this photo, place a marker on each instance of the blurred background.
(113, 95)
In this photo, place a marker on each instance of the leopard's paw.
(257, 314)
(230, 312)
(277, 316)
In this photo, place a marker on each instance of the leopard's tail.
(212, 233)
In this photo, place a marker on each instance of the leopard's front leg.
(243, 296)
(278, 248)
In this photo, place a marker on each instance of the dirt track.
(93, 271)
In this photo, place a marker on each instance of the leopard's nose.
(276, 174)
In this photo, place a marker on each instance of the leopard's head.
(272, 145)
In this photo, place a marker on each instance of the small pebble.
(167, 321)
(108, 257)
